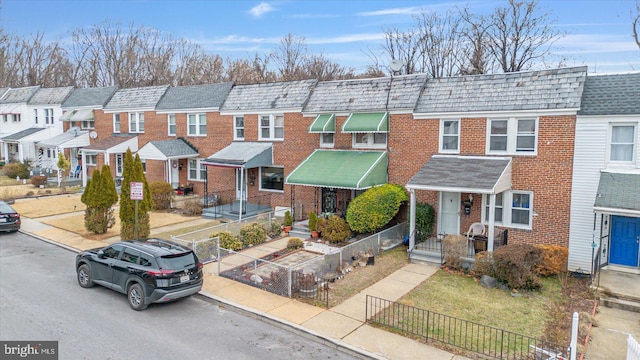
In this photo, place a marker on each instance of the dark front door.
(625, 238)
(329, 200)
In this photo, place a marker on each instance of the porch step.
(425, 258)
(300, 230)
(622, 304)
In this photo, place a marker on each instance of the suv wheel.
(136, 297)
(84, 276)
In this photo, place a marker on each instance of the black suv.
(150, 271)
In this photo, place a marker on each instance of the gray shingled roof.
(3, 91)
(611, 95)
(462, 173)
(21, 134)
(209, 96)
(177, 147)
(618, 191)
(136, 98)
(280, 95)
(50, 96)
(366, 94)
(95, 97)
(536, 90)
(109, 142)
(19, 95)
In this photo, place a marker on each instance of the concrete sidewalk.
(342, 326)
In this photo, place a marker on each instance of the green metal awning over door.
(366, 123)
(345, 169)
(323, 123)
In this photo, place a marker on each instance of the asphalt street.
(40, 300)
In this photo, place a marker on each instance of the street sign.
(137, 190)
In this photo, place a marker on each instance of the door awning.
(164, 150)
(469, 174)
(323, 123)
(242, 155)
(366, 123)
(618, 193)
(345, 169)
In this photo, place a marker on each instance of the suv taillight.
(200, 265)
(160, 272)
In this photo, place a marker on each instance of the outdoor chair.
(475, 229)
(77, 172)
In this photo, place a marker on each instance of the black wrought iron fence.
(482, 339)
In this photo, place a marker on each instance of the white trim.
(175, 126)
(614, 211)
(198, 123)
(137, 122)
(635, 143)
(121, 110)
(512, 136)
(441, 137)
(113, 123)
(272, 127)
(507, 208)
(187, 111)
(476, 114)
(370, 141)
(235, 129)
(262, 112)
(347, 113)
(328, 145)
(259, 179)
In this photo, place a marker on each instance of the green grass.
(184, 230)
(462, 297)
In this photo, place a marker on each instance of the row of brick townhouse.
(503, 150)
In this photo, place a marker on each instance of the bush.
(192, 208)
(375, 207)
(313, 221)
(454, 248)
(554, 260)
(15, 169)
(295, 243)
(335, 229)
(425, 219)
(275, 229)
(483, 264)
(515, 265)
(253, 234)
(288, 219)
(161, 194)
(228, 240)
(39, 180)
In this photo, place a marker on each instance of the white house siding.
(589, 158)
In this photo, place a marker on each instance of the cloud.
(594, 44)
(394, 11)
(348, 38)
(313, 16)
(261, 9)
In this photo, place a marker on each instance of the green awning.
(324, 123)
(345, 169)
(366, 123)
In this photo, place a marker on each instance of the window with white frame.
(197, 124)
(5, 117)
(48, 116)
(171, 124)
(513, 209)
(272, 178)
(144, 165)
(116, 123)
(91, 159)
(450, 136)
(196, 170)
(136, 122)
(238, 128)
(35, 115)
(16, 118)
(326, 140)
(622, 143)
(271, 127)
(88, 124)
(369, 140)
(512, 136)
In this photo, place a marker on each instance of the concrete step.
(622, 304)
(296, 232)
(420, 257)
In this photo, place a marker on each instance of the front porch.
(431, 250)
(232, 210)
(618, 287)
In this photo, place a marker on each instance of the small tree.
(100, 195)
(375, 207)
(63, 168)
(133, 172)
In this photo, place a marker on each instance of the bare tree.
(520, 34)
(403, 46)
(289, 57)
(318, 66)
(635, 23)
(473, 31)
(439, 43)
(243, 71)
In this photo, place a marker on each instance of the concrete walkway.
(343, 326)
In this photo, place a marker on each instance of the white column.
(492, 221)
(84, 169)
(241, 193)
(412, 219)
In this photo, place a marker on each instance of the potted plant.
(313, 223)
(308, 285)
(288, 221)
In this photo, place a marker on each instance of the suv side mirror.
(101, 254)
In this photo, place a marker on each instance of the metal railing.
(467, 335)
(633, 349)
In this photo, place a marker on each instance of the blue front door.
(625, 238)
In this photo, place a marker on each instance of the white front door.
(241, 184)
(119, 164)
(175, 174)
(449, 217)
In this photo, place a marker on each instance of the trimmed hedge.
(515, 266)
(161, 194)
(334, 229)
(554, 260)
(253, 234)
(295, 243)
(375, 207)
(228, 240)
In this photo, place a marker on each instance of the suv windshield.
(177, 261)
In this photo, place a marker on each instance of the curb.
(64, 246)
(287, 325)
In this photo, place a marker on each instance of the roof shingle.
(210, 96)
(50, 96)
(19, 95)
(95, 97)
(271, 96)
(143, 98)
(611, 95)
